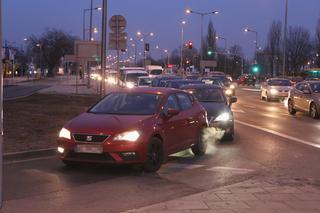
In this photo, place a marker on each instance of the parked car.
(305, 97)
(218, 106)
(275, 89)
(135, 127)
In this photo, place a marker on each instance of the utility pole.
(90, 30)
(103, 47)
(1, 112)
(285, 39)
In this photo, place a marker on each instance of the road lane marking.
(28, 160)
(280, 134)
(183, 166)
(252, 90)
(238, 110)
(230, 169)
(249, 106)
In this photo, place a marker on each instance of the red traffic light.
(190, 44)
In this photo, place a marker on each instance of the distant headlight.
(64, 133)
(223, 117)
(130, 136)
(273, 91)
(232, 86)
(228, 92)
(130, 85)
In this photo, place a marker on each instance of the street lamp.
(285, 39)
(189, 11)
(40, 47)
(143, 39)
(84, 22)
(256, 42)
(225, 51)
(181, 48)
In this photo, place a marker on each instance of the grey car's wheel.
(291, 109)
(200, 147)
(313, 111)
(155, 156)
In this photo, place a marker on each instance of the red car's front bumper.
(113, 152)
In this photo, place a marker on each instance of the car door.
(305, 98)
(190, 119)
(172, 127)
(297, 96)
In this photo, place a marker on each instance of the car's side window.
(171, 103)
(300, 87)
(184, 101)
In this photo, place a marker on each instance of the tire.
(200, 148)
(313, 111)
(262, 98)
(155, 156)
(229, 136)
(291, 109)
(267, 98)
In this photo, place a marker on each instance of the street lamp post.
(40, 58)
(84, 22)
(103, 47)
(144, 37)
(256, 42)
(189, 11)
(1, 112)
(285, 39)
(181, 48)
(225, 52)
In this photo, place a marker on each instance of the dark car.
(218, 107)
(161, 81)
(137, 126)
(179, 83)
(305, 97)
(222, 81)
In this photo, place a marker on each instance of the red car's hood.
(105, 124)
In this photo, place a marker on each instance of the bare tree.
(317, 45)
(235, 61)
(210, 42)
(299, 48)
(274, 46)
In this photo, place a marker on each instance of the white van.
(154, 70)
(129, 78)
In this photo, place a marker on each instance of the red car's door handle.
(190, 121)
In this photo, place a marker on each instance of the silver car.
(305, 97)
(275, 88)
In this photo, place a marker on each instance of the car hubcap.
(313, 111)
(154, 155)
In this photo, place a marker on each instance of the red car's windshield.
(127, 104)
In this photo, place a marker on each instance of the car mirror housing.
(172, 112)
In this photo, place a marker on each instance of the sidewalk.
(290, 196)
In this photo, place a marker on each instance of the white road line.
(182, 166)
(230, 169)
(28, 160)
(249, 106)
(252, 90)
(238, 110)
(280, 134)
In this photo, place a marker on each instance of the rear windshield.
(208, 95)
(315, 87)
(279, 83)
(155, 72)
(133, 77)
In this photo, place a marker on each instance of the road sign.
(117, 23)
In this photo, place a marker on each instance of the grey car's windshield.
(133, 77)
(208, 94)
(315, 87)
(127, 104)
(279, 83)
(155, 72)
(145, 81)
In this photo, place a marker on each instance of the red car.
(138, 126)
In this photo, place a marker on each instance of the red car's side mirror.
(172, 112)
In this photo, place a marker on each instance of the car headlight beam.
(130, 136)
(64, 133)
(273, 91)
(223, 117)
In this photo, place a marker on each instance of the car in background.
(129, 78)
(275, 89)
(144, 81)
(154, 70)
(305, 97)
(294, 79)
(247, 79)
(135, 127)
(161, 80)
(192, 77)
(225, 83)
(180, 82)
(217, 105)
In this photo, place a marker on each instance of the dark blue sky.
(25, 17)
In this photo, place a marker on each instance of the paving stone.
(304, 205)
(267, 205)
(237, 197)
(213, 211)
(227, 205)
(308, 196)
(169, 211)
(276, 196)
(186, 204)
(282, 189)
(210, 195)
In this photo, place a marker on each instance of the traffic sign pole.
(1, 112)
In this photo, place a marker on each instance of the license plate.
(94, 149)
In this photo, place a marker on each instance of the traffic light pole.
(1, 112)
(285, 40)
(103, 46)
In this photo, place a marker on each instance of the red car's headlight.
(130, 136)
(64, 133)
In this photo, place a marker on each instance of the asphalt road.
(268, 144)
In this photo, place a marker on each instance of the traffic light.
(147, 47)
(190, 44)
(256, 68)
(209, 52)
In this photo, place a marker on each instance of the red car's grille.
(90, 157)
(90, 138)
